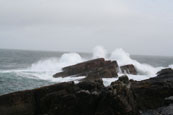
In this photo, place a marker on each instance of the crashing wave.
(45, 69)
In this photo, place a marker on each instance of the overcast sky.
(138, 26)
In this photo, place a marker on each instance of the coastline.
(124, 96)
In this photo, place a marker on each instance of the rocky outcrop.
(93, 69)
(19, 103)
(151, 93)
(128, 69)
(85, 98)
(167, 72)
(169, 100)
(122, 97)
(154, 96)
(166, 110)
(96, 69)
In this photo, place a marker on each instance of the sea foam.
(123, 58)
(99, 52)
(45, 69)
(171, 66)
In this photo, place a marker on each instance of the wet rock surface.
(158, 99)
(122, 97)
(167, 72)
(128, 69)
(85, 98)
(169, 100)
(96, 69)
(166, 110)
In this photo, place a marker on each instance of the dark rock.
(96, 69)
(52, 98)
(19, 103)
(124, 79)
(122, 97)
(102, 72)
(81, 68)
(85, 98)
(153, 96)
(163, 72)
(166, 110)
(151, 93)
(128, 69)
(91, 86)
(169, 100)
(93, 69)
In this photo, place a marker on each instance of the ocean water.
(22, 70)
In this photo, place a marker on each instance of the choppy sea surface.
(22, 70)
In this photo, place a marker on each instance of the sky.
(143, 27)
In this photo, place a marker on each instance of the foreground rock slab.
(167, 72)
(122, 97)
(85, 98)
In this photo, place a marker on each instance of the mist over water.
(171, 66)
(37, 68)
(124, 58)
(99, 52)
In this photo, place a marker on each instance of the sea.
(24, 70)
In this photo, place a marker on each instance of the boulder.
(166, 110)
(124, 79)
(169, 100)
(85, 98)
(128, 69)
(165, 72)
(151, 93)
(19, 103)
(97, 68)
(122, 97)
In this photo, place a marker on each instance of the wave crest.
(45, 69)
(99, 52)
(123, 58)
